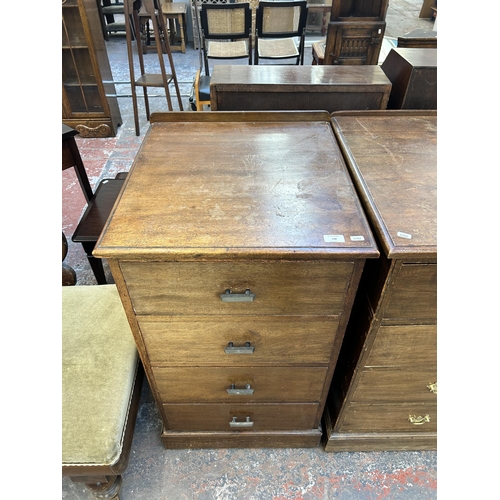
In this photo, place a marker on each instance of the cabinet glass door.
(80, 88)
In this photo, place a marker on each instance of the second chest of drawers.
(384, 390)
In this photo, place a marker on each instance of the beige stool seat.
(101, 384)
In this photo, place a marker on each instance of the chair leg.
(95, 263)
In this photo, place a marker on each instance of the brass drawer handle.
(413, 419)
(240, 392)
(246, 423)
(229, 296)
(246, 349)
(433, 388)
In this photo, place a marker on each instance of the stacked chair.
(225, 31)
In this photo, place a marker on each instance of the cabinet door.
(354, 43)
(80, 87)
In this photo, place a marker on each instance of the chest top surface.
(393, 160)
(237, 184)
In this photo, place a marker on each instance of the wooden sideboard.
(384, 391)
(237, 245)
(330, 88)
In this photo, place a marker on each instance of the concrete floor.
(155, 473)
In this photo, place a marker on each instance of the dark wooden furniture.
(418, 39)
(413, 73)
(357, 10)
(384, 391)
(237, 272)
(330, 88)
(100, 393)
(354, 42)
(355, 31)
(89, 105)
(71, 158)
(93, 219)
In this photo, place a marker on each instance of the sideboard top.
(238, 184)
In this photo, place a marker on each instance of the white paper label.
(357, 238)
(334, 238)
(404, 235)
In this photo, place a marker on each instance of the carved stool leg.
(107, 490)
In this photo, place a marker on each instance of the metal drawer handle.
(246, 349)
(433, 388)
(229, 296)
(240, 392)
(247, 423)
(413, 419)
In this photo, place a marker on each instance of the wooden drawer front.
(361, 418)
(404, 346)
(414, 294)
(216, 417)
(194, 288)
(395, 386)
(275, 339)
(204, 385)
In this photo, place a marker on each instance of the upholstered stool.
(101, 382)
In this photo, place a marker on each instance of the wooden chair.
(94, 218)
(101, 386)
(277, 24)
(226, 32)
(201, 90)
(107, 11)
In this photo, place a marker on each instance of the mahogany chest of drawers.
(318, 87)
(384, 391)
(237, 245)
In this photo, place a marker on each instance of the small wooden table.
(330, 88)
(176, 11)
